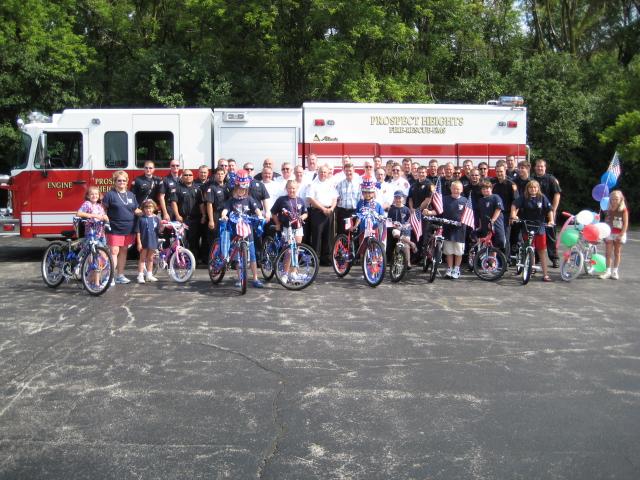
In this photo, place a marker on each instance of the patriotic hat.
(368, 186)
(242, 180)
(399, 193)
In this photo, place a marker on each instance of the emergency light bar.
(511, 101)
(235, 117)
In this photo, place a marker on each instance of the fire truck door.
(254, 144)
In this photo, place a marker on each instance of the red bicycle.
(487, 261)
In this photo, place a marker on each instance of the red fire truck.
(64, 154)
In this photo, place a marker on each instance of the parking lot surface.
(458, 379)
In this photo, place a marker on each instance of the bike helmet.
(243, 179)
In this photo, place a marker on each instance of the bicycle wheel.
(373, 262)
(216, 265)
(341, 257)
(269, 256)
(307, 268)
(527, 265)
(182, 265)
(571, 264)
(241, 266)
(489, 264)
(589, 265)
(53, 264)
(399, 263)
(434, 262)
(520, 258)
(97, 271)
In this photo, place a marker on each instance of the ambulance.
(61, 156)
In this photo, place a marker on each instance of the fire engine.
(64, 154)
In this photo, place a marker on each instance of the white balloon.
(604, 230)
(585, 217)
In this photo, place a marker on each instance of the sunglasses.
(187, 174)
(250, 169)
(120, 180)
(149, 168)
(174, 166)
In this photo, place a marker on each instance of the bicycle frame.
(175, 243)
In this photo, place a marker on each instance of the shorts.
(297, 232)
(539, 241)
(453, 248)
(120, 240)
(617, 237)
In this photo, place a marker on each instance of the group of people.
(317, 204)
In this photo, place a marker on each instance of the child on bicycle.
(534, 206)
(367, 202)
(147, 231)
(490, 209)
(288, 214)
(454, 235)
(618, 219)
(241, 203)
(91, 209)
(399, 214)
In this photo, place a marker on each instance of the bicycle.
(488, 262)
(271, 248)
(526, 255)
(399, 261)
(178, 260)
(579, 257)
(227, 251)
(433, 249)
(296, 266)
(371, 248)
(84, 259)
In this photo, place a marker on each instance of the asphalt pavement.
(458, 379)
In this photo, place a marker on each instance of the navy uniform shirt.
(419, 191)
(476, 194)
(533, 209)
(452, 210)
(446, 185)
(258, 191)
(549, 185)
(506, 193)
(120, 208)
(168, 187)
(295, 207)
(217, 195)
(188, 200)
(148, 228)
(145, 188)
(521, 184)
(486, 208)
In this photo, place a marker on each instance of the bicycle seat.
(68, 233)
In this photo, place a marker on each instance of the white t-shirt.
(323, 192)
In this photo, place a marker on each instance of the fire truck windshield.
(22, 152)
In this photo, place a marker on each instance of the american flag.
(614, 167)
(243, 229)
(467, 214)
(415, 219)
(436, 199)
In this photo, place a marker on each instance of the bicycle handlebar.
(444, 221)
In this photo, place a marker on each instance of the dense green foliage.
(574, 61)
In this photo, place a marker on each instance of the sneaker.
(150, 277)
(455, 273)
(284, 279)
(257, 284)
(113, 283)
(554, 263)
(615, 276)
(237, 284)
(448, 273)
(140, 278)
(605, 275)
(122, 280)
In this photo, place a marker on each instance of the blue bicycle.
(84, 259)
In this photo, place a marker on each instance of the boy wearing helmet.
(368, 201)
(241, 203)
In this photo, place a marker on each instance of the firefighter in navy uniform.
(550, 187)
(167, 189)
(147, 186)
(215, 195)
(185, 203)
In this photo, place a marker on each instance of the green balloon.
(601, 263)
(570, 237)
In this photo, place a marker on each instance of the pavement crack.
(276, 413)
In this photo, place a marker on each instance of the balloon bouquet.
(581, 233)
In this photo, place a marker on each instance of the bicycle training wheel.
(373, 262)
(399, 263)
(269, 256)
(571, 264)
(527, 265)
(301, 276)
(341, 258)
(97, 271)
(182, 265)
(434, 262)
(216, 265)
(52, 264)
(489, 264)
(242, 261)
(589, 264)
